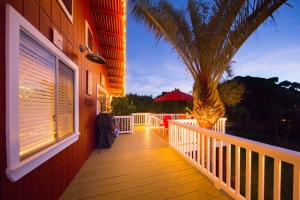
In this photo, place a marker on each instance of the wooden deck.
(139, 166)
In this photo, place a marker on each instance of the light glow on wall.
(124, 43)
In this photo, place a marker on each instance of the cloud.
(280, 62)
(153, 82)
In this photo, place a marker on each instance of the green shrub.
(120, 106)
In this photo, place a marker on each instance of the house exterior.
(51, 93)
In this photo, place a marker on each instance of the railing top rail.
(127, 116)
(139, 113)
(164, 114)
(286, 155)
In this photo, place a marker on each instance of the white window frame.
(99, 87)
(87, 30)
(17, 168)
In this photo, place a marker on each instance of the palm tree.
(206, 36)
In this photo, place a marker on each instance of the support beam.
(110, 34)
(105, 12)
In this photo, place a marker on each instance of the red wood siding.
(31, 184)
(45, 176)
(49, 180)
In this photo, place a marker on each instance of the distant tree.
(283, 120)
(276, 115)
(289, 85)
(142, 103)
(265, 100)
(206, 35)
(120, 106)
(235, 113)
(285, 84)
(290, 115)
(260, 94)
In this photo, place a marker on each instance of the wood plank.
(129, 178)
(139, 166)
(55, 176)
(55, 13)
(64, 24)
(64, 169)
(70, 163)
(32, 184)
(46, 6)
(31, 12)
(194, 190)
(45, 24)
(45, 179)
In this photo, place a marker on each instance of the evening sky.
(272, 51)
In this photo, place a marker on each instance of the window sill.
(25, 166)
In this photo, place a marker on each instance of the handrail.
(199, 147)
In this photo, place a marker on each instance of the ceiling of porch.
(109, 18)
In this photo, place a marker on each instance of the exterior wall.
(49, 180)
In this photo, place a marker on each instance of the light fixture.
(94, 57)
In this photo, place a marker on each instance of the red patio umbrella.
(175, 95)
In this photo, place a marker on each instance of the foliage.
(235, 113)
(206, 36)
(120, 106)
(266, 100)
(231, 92)
(142, 103)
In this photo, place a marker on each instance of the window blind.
(65, 116)
(36, 95)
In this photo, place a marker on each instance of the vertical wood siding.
(49, 180)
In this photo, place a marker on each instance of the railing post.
(214, 158)
(296, 188)
(228, 165)
(261, 176)
(237, 169)
(248, 173)
(132, 124)
(277, 179)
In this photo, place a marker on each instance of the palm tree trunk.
(208, 108)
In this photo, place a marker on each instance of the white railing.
(199, 147)
(220, 126)
(154, 121)
(125, 123)
(140, 118)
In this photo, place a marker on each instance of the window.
(67, 6)
(101, 99)
(41, 97)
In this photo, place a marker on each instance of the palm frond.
(165, 21)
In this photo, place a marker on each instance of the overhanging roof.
(109, 18)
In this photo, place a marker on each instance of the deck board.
(139, 166)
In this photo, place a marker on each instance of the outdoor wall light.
(94, 57)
